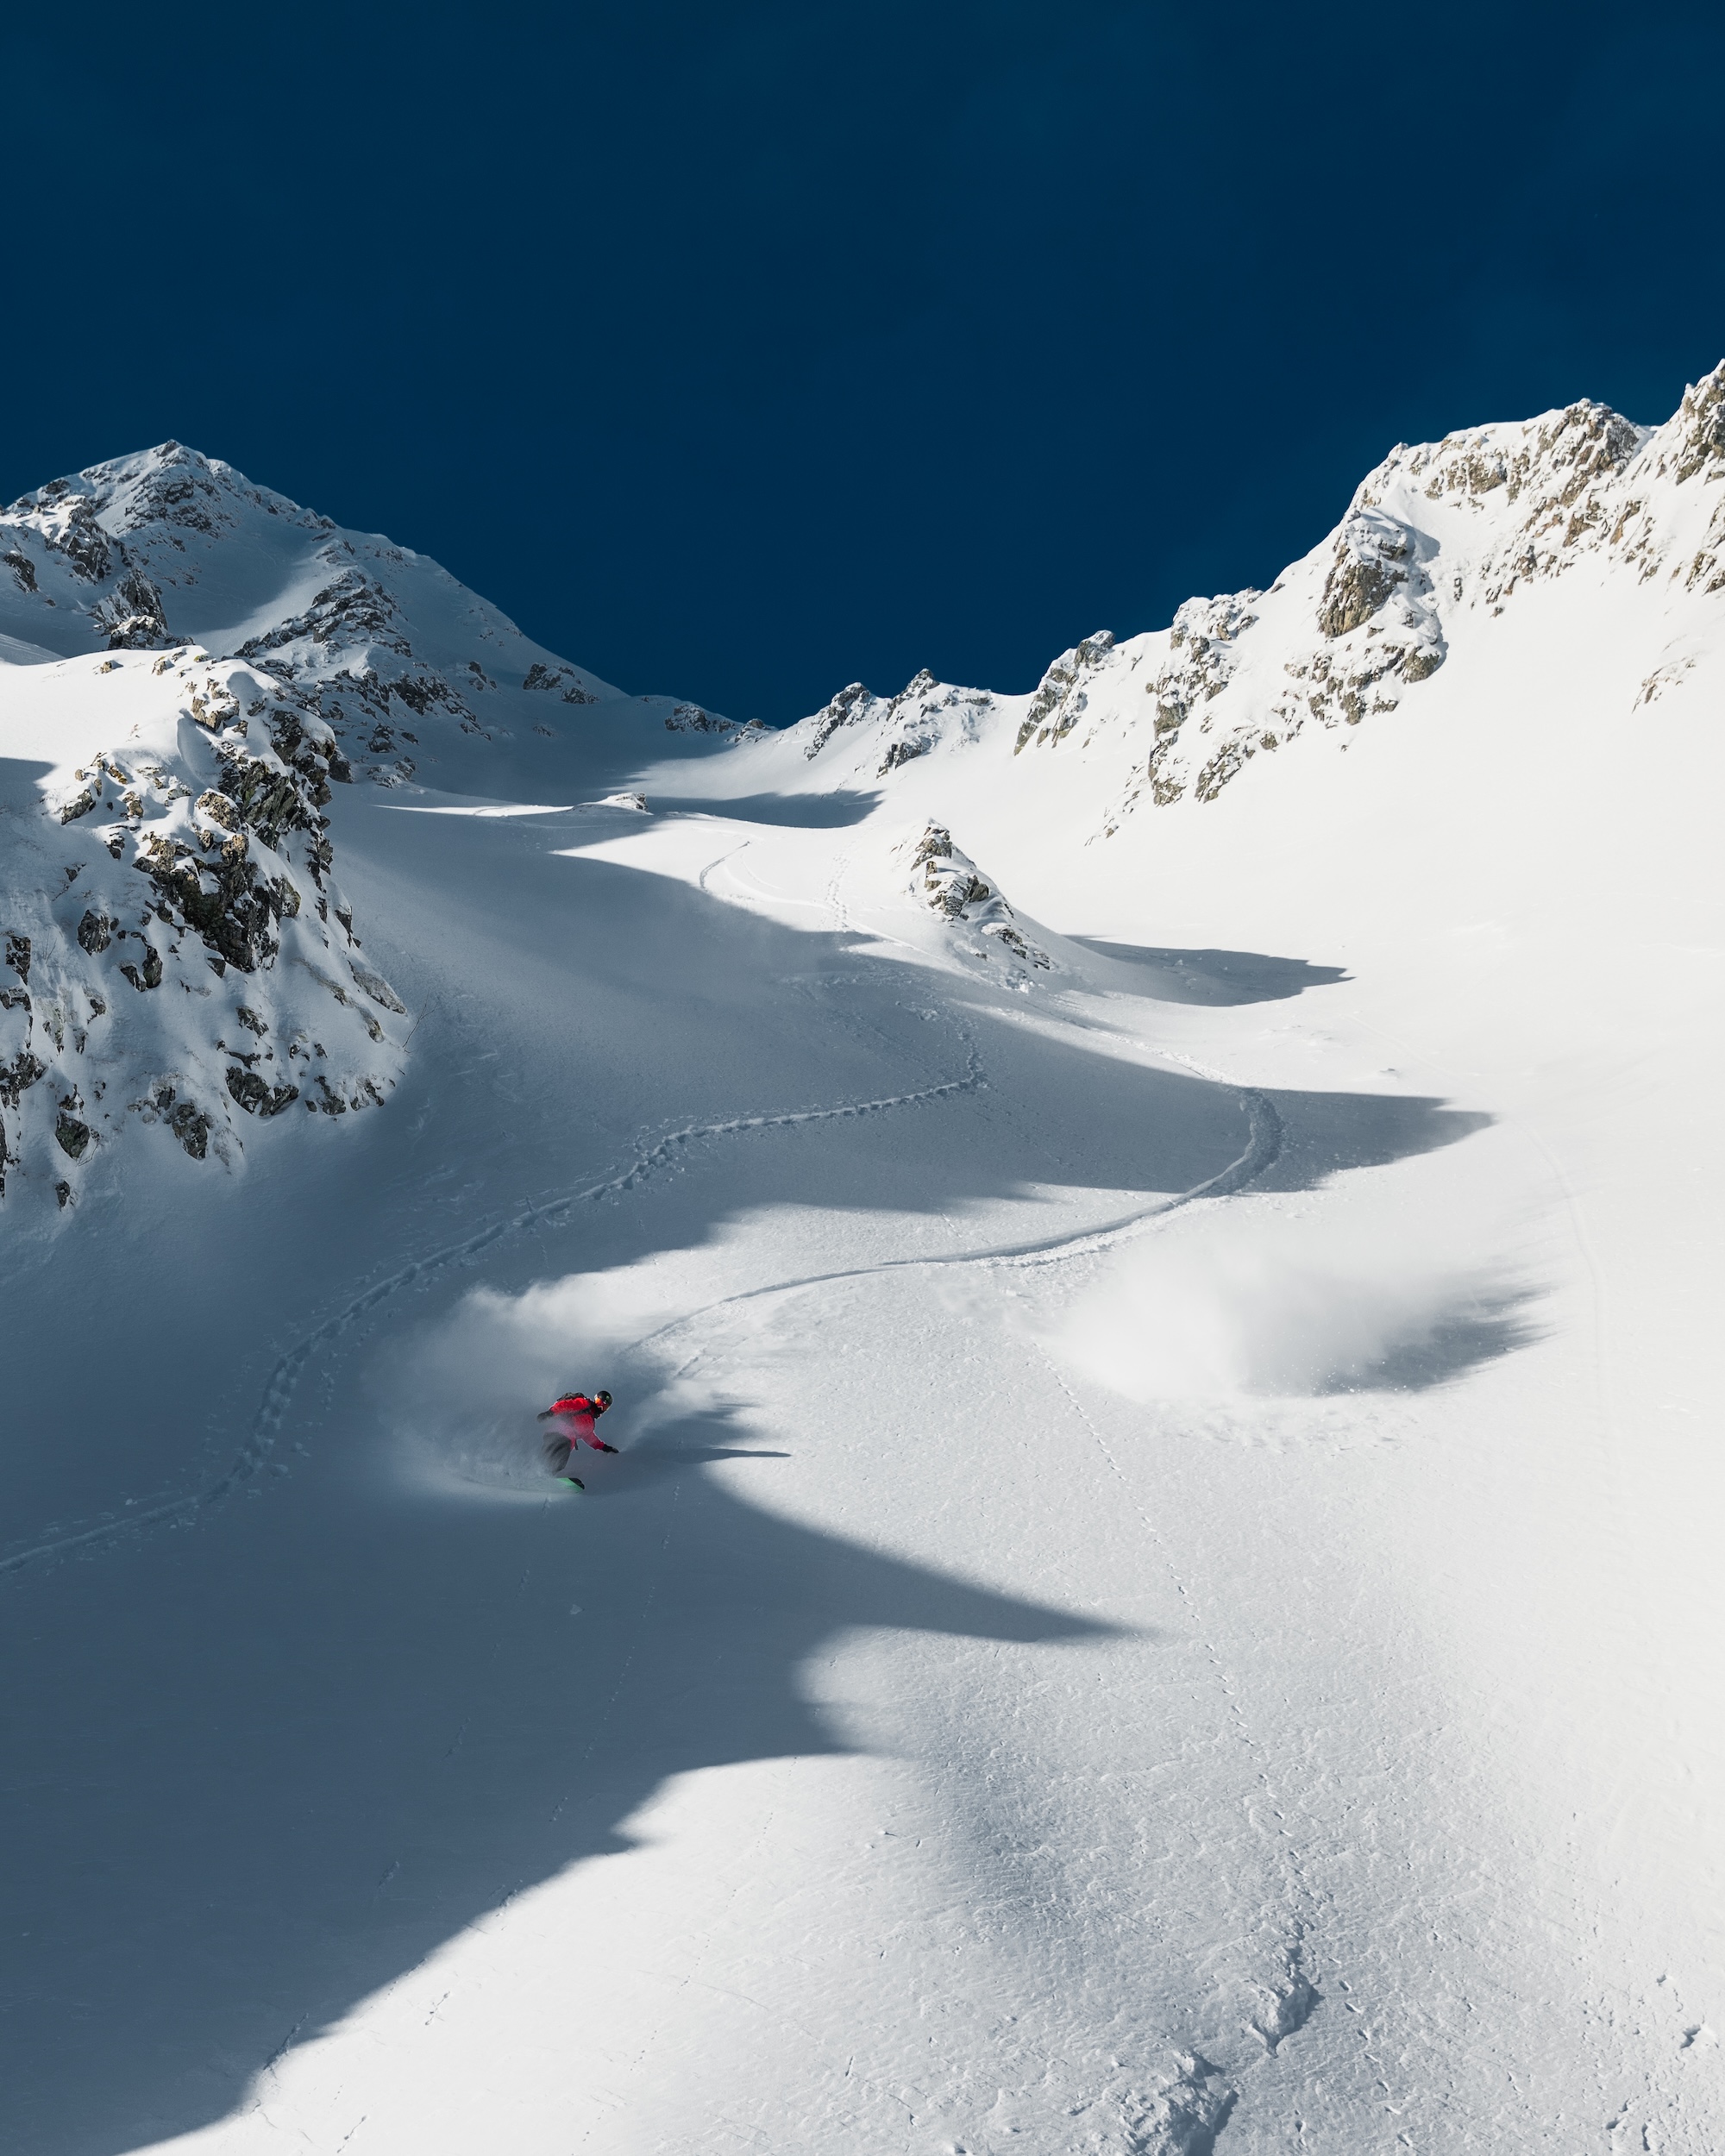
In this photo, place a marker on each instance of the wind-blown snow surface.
(1160, 1590)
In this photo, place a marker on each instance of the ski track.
(1264, 1144)
(702, 879)
(283, 1379)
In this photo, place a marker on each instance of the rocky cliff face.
(1406, 558)
(178, 949)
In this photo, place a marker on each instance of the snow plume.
(1288, 1306)
(464, 1393)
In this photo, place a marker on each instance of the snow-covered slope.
(183, 950)
(1156, 1243)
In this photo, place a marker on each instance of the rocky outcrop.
(128, 615)
(1438, 528)
(1061, 697)
(180, 955)
(564, 681)
(902, 728)
(1377, 629)
(950, 884)
(850, 707)
(1367, 566)
(132, 614)
(692, 718)
(1203, 649)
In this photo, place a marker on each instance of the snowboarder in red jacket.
(571, 1416)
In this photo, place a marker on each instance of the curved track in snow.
(1262, 1145)
(283, 1379)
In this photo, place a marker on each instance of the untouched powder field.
(1160, 1592)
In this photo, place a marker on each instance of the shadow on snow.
(1216, 977)
(325, 1753)
(798, 812)
(1487, 1323)
(263, 1765)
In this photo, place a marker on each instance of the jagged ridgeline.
(1437, 543)
(193, 663)
(169, 548)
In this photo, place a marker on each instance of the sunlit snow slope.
(1154, 1242)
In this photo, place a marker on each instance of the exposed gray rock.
(853, 703)
(1361, 576)
(900, 752)
(1701, 420)
(376, 986)
(191, 1125)
(19, 1075)
(131, 615)
(255, 1095)
(1061, 699)
(950, 884)
(73, 1136)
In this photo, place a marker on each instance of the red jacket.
(577, 1414)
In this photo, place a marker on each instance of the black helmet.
(602, 1399)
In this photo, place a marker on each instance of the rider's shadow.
(657, 1459)
(665, 1450)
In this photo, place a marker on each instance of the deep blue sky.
(737, 351)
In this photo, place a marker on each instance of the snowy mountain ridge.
(1437, 541)
(183, 827)
(168, 546)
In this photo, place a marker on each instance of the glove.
(603, 1447)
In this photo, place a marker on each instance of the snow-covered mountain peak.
(894, 730)
(169, 486)
(1551, 459)
(169, 545)
(191, 664)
